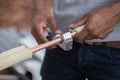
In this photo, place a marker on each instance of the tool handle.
(14, 56)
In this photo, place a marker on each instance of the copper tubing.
(48, 44)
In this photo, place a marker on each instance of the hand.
(99, 24)
(41, 21)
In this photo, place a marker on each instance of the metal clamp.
(67, 43)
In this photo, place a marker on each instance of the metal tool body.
(67, 41)
(57, 40)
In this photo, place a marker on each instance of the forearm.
(50, 5)
(39, 5)
(116, 10)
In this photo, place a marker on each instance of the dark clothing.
(83, 61)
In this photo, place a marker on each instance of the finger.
(87, 34)
(41, 34)
(35, 36)
(53, 26)
(39, 40)
(81, 35)
(88, 37)
(39, 28)
(79, 22)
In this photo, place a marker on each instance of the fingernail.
(44, 25)
(70, 26)
(58, 32)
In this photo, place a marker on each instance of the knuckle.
(90, 29)
(91, 26)
(97, 15)
(94, 19)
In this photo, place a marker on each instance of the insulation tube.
(14, 56)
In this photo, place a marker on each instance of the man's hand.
(98, 24)
(41, 20)
(40, 23)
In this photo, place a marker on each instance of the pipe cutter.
(67, 43)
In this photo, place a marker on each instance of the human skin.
(42, 19)
(98, 24)
(15, 14)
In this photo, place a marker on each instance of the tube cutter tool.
(67, 43)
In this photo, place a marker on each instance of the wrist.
(40, 9)
(116, 10)
(40, 12)
(39, 6)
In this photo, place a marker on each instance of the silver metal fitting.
(67, 43)
(67, 37)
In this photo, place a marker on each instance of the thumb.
(52, 25)
(82, 21)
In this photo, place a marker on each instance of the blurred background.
(15, 30)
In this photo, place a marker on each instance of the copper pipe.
(48, 44)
